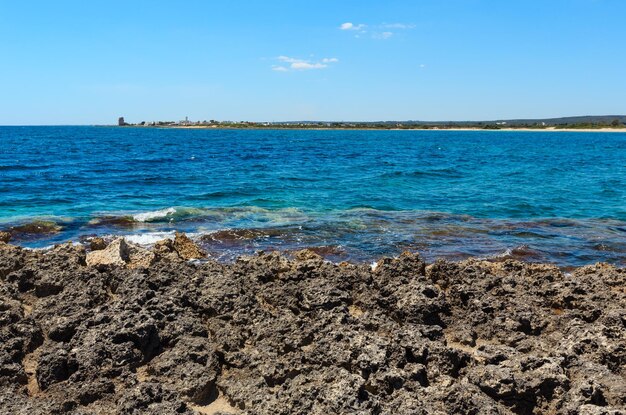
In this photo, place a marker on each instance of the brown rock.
(38, 227)
(139, 257)
(5, 237)
(164, 246)
(117, 254)
(186, 248)
(307, 255)
(164, 250)
(97, 244)
(121, 253)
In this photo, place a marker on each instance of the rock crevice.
(123, 329)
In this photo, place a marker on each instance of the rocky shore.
(114, 328)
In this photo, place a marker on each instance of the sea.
(350, 195)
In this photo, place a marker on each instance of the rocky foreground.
(123, 330)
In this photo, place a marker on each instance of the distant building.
(121, 122)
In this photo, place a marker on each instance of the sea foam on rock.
(121, 253)
(272, 335)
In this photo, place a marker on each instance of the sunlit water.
(357, 195)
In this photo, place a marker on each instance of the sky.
(89, 62)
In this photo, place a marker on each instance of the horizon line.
(341, 121)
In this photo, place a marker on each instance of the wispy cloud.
(296, 64)
(381, 31)
(382, 35)
(352, 26)
(399, 26)
(279, 68)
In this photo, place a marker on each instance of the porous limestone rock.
(97, 244)
(272, 335)
(186, 248)
(5, 236)
(116, 254)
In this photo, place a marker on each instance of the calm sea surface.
(356, 195)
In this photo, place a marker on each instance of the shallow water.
(539, 196)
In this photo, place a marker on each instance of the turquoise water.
(544, 196)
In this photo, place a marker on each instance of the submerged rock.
(129, 330)
(34, 229)
(114, 221)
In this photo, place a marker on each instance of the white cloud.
(307, 65)
(288, 59)
(381, 31)
(296, 64)
(401, 26)
(383, 35)
(352, 26)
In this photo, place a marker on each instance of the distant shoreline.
(547, 129)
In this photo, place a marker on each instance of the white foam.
(148, 216)
(50, 247)
(148, 238)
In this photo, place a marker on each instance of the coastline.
(117, 328)
(549, 129)
(566, 243)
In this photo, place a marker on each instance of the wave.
(148, 238)
(520, 253)
(155, 214)
(190, 216)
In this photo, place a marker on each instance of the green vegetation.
(584, 122)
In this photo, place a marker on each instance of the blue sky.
(88, 62)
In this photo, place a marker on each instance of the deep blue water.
(539, 196)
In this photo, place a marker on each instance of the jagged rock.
(190, 367)
(164, 246)
(5, 237)
(139, 257)
(121, 253)
(55, 365)
(165, 251)
(97, 244)
(186, 248)
(116, 254)
(270, 335)
(307, 255)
